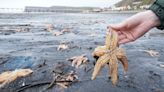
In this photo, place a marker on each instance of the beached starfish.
(49, 27)
(72, 77)
(152, 53)
(62, 46)
(78, 60)
(66, 30)
(57, 33)
(63, 76)
(110, 53)
(9, 76)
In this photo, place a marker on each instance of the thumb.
(117, 27)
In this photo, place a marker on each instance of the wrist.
(153, 19)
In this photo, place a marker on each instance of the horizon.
(50, 3)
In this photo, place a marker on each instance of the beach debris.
(93, 35)
(65, 30)
(50, 27)
(9, 76)
(22, 29)
(68, 78)
(152, 53)
(57, 33)
(4, 58)
(110, 53)
(19, 30)
(42, 64)
(161, 65)
(63, 75)
(99, 21)
(62, 46)
(62, 68)
(78, 60)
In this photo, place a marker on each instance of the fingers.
(123, 36)
(123, 41)
(120, 37)
(117, 27)
(119, 32)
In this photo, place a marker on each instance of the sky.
(48, 3)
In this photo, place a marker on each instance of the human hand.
(135, 26)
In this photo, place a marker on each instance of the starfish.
(110, 53)
(62, 46)
(50, 27)
(9, 76)
(152, 53)
(63, 76)
(78, 60)
(66, 30)
(72, 77)
(57, 33)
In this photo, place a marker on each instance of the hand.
(135, 26)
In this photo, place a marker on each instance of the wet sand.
(36, 48)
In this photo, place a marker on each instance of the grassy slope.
(129, 2)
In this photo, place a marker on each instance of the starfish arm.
(124, 62)
(74, 62)
(121, 56)
(109, 72)
(113, 70)
(111, 41)
(99, 51)
(79, 62)
(4, 76)
(62, 85)
(108, 39)
(99, 64)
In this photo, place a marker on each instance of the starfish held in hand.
(110, 53)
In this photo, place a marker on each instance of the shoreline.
(104, 12)
(118, 12)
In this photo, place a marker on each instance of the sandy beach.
(30, 41)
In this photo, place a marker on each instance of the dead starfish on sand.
(9, 76)
(62, 46)
(57, 33)
(152, 53)
(72, 77)
(49, 27)
(110, 53)
(78, 60)
(66, 30)
(63, 75)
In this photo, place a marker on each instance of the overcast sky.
(47, 3)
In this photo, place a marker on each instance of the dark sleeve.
(158, 9)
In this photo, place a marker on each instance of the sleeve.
(158, 9)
